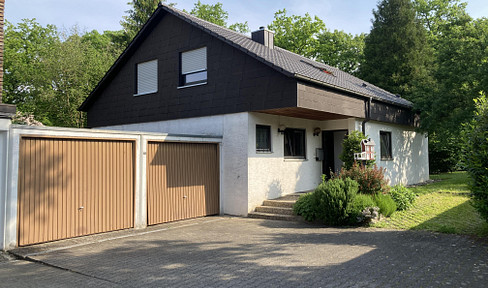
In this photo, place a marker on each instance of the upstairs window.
(385, 145)
(147, 77)
(294, 143)
(193, 67)
(263, 138)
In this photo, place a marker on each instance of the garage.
(182, 181)
(70, 187)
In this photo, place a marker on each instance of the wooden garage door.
(182, 181)
(74, 187)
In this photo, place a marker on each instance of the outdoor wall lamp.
(317, 131)
(281, 129)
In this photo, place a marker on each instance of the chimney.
(263, 36)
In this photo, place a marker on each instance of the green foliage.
(334, 200)
(217, 15)
(360, 202)
(305, 206)
(297, 34)
(371, 180)
(444, 153)
(396, 54)
(341, 50)
(137, 16)
(475, 148)
(402, 196)
(48, 74)
(386, 204)
(351, 145)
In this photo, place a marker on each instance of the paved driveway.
(240, 252)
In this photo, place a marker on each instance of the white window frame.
(199, 67)
(142, 70)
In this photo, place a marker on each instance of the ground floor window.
(263, 138)
(294, 143)
(385, 145)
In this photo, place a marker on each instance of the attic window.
(193, 67)
(146, 78)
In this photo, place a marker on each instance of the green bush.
(334, 199)
(386, 204)
(371, 180)
(402, 196)
(351, 145)
(305, 206)
(360, 202)
(475, 150)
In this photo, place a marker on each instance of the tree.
(459, 68)
(475, 148)
(137, 16)
(297, 34)
(27, 46)
(217, 15)
(341, 50)
(396, 52)
(48, 74)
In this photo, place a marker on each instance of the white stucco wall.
(232, 127)
(410, 164)
(270, 174)
(4, 132)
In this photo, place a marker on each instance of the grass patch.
(440, 207)
(455, 182)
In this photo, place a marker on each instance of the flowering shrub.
(371, 180)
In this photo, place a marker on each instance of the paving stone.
(243, 252)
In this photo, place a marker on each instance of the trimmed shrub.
(402, 196)
(351, 145)
(306, 207)
(371, 180)
(386, 204)
(360, 202)
(334, 199)
(475, 148)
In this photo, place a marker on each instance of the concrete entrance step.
(278, 209)
(272, 216)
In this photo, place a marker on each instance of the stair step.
(279, 203)
(274, 210)
(261, 215)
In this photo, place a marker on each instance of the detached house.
(281, 116)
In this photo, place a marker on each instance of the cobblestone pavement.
(241, 252)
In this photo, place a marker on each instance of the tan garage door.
(74, 187)
(182, 181)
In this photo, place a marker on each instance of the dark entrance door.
(332, 145)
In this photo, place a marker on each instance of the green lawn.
(442, 207)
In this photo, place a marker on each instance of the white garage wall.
(410, 164)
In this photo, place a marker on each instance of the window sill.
(295, 159)
(386, 159)
(145, 93)
(264, 152)
(191, 85)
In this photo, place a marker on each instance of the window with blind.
(385, 145)
(263, 138)
(193, 67)
(147, 77)
(294, 143)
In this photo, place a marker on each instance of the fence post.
(4, 140)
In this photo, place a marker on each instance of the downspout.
(367, 112)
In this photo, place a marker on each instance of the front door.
(332, 145)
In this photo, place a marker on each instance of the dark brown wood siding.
(236, 81)
(330, 101)
(393, 114)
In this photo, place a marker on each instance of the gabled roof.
(282, 60)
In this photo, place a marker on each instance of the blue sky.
(352, 16)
